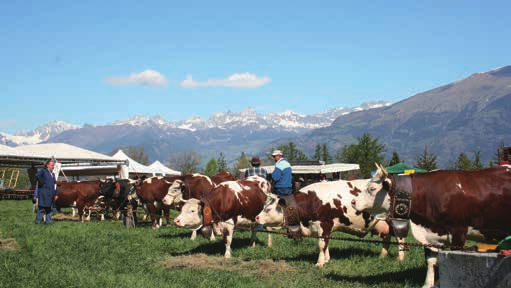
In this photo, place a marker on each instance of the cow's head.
(175, 192)
(272, 213)
(374, 198)
(191, 216)
(107, 187)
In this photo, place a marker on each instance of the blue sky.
(94, 62)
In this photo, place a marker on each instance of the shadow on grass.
(414, 276)
(335, 254)
(215, 248)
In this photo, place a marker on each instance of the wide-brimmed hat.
(276, 152)
(255, 160)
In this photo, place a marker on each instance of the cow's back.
(154, 188)
(449, 200)
(196, 186)
(230, 199)
(77, 191)
(330, 202)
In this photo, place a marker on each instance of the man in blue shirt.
(281, 175)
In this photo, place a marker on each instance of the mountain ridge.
(468, 115)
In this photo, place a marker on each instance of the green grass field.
(106, 254)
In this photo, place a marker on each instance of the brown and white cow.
(191, 186)
(236, 203)
(447, 207)
(151, 192)
(80, 193)
(325, 207)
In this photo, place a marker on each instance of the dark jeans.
(43, 211)
(283, 191)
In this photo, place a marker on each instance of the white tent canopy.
(159, 168)
(133, 166)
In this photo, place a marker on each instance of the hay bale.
(9, 244)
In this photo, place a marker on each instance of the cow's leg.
(253, 236)
(80, 207)
(146, 211)
(228, 231)
(324, 255)
(74, 210)
(88, 215)
(431, 255)
(402, 249)
(385, 246)
(152, 213)
(270, 239)
(166, 213)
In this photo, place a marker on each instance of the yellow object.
(408, 172)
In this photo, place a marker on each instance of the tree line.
(366, 151)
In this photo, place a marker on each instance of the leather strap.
(401, 204)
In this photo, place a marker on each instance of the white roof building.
(71, 160)
(159, 168)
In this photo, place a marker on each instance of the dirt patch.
(256, 268)
(8, 245)
(64, 217)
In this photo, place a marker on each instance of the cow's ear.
(282, 202)
(387, 184)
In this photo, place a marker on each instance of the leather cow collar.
(401, 204)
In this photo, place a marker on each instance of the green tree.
(477, 164)
(326, 154)
(426, 160)
(222, 163)
(187, 162)
(241, 162)
(463, 162)
(211, 167)
(366, 152)
(136, 153)
(317, 152)
(322, 153)
(291, 153)
(395, 159)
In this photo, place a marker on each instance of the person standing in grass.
(47, 192)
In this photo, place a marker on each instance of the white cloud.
(144, 78)
(243, 80)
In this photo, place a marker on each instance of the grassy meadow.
(106, 254)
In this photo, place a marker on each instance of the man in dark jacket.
(46, 192)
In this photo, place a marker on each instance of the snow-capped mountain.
(229, 132)
(38, 135)
(249, 117)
